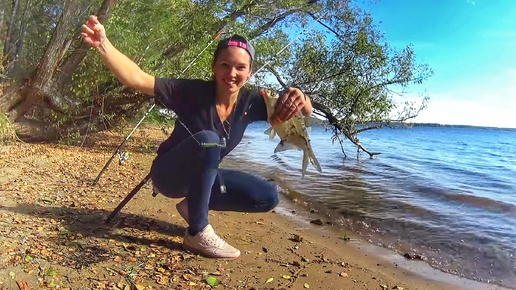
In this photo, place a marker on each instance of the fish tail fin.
(314, 161)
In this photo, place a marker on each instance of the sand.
(53, 234)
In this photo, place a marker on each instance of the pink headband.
(237, 43)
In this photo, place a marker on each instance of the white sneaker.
(209, 244)
(182, 209)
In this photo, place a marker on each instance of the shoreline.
(269, 250)
(53, 228)
(394, 261)
(419, 213)
(395, 255)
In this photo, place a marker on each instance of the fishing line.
(117, 151)
(223, 142)
(204, 145)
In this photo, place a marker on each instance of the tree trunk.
(71, 64)
(18, 47)
(39, 86)
(9, 56)
(2, 13)
(34, 131)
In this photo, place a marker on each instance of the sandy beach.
(53, 233)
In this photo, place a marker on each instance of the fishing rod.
(222, 144)
(117, 150)
(280, 51)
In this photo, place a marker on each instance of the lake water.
(447, 194)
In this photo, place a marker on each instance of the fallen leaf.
(297, 238)
(269, 280)
(344, 274)
(306, 285)
(23, 285)
(212, 281)
(285, 277)
(48, 199)
(161, 269)
(345, 238)
(162, 280)
(28, 258)
(51, 272)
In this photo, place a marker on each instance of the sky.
(471, 47)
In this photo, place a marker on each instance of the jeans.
(189, 170)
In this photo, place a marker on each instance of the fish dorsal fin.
(270, 132)
(282, 146)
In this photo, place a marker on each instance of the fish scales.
(293, 133)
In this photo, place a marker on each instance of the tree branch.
(271, 23)
(71, 64)
(335, 122)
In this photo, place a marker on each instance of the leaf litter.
(53, 235)
(53, 232)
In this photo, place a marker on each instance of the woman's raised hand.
(93, 32)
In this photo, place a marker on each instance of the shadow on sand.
(85, 233)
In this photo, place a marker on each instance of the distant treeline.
(401, 125)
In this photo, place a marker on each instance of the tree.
(55, 88)
(32, 99)
(352, 83)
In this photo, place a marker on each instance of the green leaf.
(51, 272)
(48, 199)
(212, 281)
(64, 232)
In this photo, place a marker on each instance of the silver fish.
(292, 133)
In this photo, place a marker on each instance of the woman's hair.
(235, 40)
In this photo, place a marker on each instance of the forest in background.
(54, 87)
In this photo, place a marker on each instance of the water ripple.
(444, 192)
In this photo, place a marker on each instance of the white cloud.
(471, 2)
(487, 101)
(469, 112)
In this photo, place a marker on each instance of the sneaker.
(209, 244)
(182, 209)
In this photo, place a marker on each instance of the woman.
(212, 118)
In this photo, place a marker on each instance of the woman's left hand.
(291, 102)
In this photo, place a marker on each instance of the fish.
(293, 133)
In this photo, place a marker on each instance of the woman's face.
(232, 68)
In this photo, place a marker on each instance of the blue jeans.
(189, 170)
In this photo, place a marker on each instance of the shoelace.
(215, 240)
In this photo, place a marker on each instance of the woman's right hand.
(124, 69)
(93, 32)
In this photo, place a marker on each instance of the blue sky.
(470, 45)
